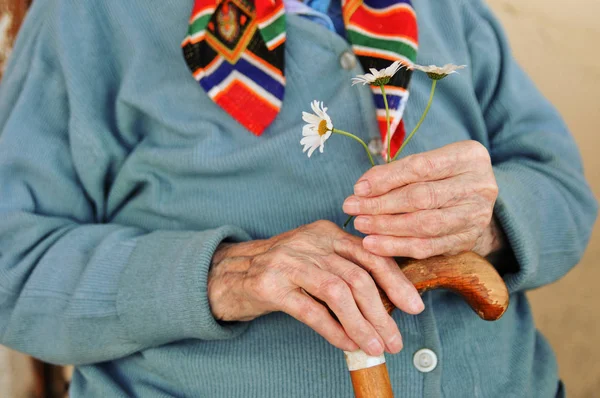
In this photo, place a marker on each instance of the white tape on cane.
(358, 360)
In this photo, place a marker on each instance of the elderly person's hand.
(427, 204)
(254, 278)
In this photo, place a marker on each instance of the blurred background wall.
(558, 44)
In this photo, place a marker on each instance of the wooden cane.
(468, 274)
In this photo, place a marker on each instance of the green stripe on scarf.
(199, 24)
(274, 29)
(395, 46)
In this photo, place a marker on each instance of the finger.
(450, 160)
(305, 309)
(369, 302)
(418, 248)
(423, 224)
(414, 197)
(332, 290)
(389, 277)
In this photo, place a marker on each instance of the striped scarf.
(235, 50)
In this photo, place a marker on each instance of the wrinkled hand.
(254, 278)
(427, 204)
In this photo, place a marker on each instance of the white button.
(348, 60)
(425, 360)
(375, 146)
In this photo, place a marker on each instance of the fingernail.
(395, 344)
(362, 223)
(351, 206)
(375, 348)
(362, 188)
(370, 241)
(417, 304)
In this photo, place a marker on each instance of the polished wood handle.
(467, 274)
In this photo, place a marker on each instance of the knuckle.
(381, 223)
(465, 241)
(380, 321)
(422, 196)
(422, 165)
(358, 278)
(375, 173)
(477, 150)
(347, 242)
(379, 265)
(422, 249)
(262, 286)
(323, 225)
(454, 251)
(483, 220)
(372, 205)
(276, 258)
(375, 176)
(489, 191)
(432, 224)
(334, 289)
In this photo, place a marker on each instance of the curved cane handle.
(467, 274)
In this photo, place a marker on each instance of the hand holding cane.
(467, 274)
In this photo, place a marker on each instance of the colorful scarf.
(235, 50)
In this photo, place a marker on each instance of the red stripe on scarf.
(245, 107)
(397, 137)
(202, 5)
(402, 20)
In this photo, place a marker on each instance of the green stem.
(387, 119)
(357, 139)
(366, 150)
(348, 221)
(406, 141)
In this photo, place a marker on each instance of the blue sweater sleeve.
(72, 288)
(545, 206)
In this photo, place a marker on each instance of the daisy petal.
(311, 140)
(315, 132)
(308, 131)
(310, 118)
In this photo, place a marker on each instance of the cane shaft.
(372, 382)
(468, 275)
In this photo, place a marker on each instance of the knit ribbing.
(119, 177)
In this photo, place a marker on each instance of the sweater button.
(375, 146)
(425, 360)
(348, 60)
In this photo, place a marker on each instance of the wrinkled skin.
(437, 202)
(428, 204)
(255, 278)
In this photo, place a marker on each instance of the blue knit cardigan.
(119, 177)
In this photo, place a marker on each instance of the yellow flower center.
(322, 129)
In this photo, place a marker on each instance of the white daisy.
(318, 129)
(438, 72)
(378, 77)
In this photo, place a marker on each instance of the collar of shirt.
(327, 13)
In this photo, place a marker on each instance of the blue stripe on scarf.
(252, 72)
(393, 101)
(379, 4)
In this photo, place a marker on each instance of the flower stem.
(348, 221)
(387, 119)
(366, 150)
(406, 141)
(357, 139)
